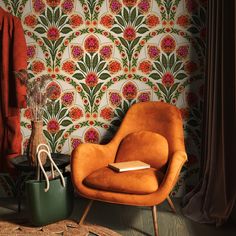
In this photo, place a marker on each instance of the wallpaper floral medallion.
(105, 55)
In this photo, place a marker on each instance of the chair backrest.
(158, 117)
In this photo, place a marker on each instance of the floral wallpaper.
(105, 55)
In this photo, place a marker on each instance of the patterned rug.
(65, 227)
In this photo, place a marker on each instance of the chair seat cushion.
(133, 182)
(146, 146)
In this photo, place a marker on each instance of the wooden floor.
(133, 221)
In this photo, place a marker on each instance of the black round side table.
(21, 164)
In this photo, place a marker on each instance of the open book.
(128, 165)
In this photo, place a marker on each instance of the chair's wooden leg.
(85, 212)
(171, 204)
(154, 216)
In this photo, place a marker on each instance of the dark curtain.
(213, 198)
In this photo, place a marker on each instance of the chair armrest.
(172, 174)
(87, 158)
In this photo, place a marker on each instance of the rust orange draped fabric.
(12, 91)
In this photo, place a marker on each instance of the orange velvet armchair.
(92, 178)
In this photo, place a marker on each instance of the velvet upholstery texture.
(144, 146)
(124, 182)
(157, 117)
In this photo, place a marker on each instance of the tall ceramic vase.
(36, 138)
